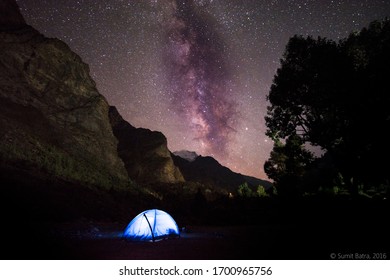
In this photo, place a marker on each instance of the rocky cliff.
(52, 118)
(144, 152)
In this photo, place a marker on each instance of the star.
(197, 70)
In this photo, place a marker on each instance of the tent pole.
(151, 230)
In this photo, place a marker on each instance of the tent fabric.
(151, 225)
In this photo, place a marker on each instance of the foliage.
(261, 192)
(244, 190)
(334, 96)
(304, 91)
(288, 163)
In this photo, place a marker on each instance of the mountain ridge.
(209, 171)
(55, 121)
(53, 118)
(144, 152)
(185, 154)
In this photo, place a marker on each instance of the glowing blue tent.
(151, 225)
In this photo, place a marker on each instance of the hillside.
(209, 171)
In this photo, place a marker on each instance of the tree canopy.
(333, 95)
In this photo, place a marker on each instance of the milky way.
(198, 71)
(199, 77)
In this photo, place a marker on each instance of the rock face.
(52, 118)
(144, 152)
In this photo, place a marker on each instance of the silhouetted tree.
(365, 142)
(306, 91)
(335, 96)
(288, 164)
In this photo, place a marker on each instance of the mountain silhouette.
(209, 171)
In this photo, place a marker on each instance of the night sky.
(197, 70)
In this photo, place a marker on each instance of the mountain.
(208, 171)
(52, 118)
(56, 129)
(67, 157)
(144, 152)
(58, 154)
(187, 155)
(56, 124)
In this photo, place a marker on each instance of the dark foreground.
(64, 222)
(241, 243)
(205, 242)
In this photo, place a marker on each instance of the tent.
(151, 225)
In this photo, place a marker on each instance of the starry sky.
(198, 71)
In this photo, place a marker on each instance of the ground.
(273, 241)
(80, 225)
